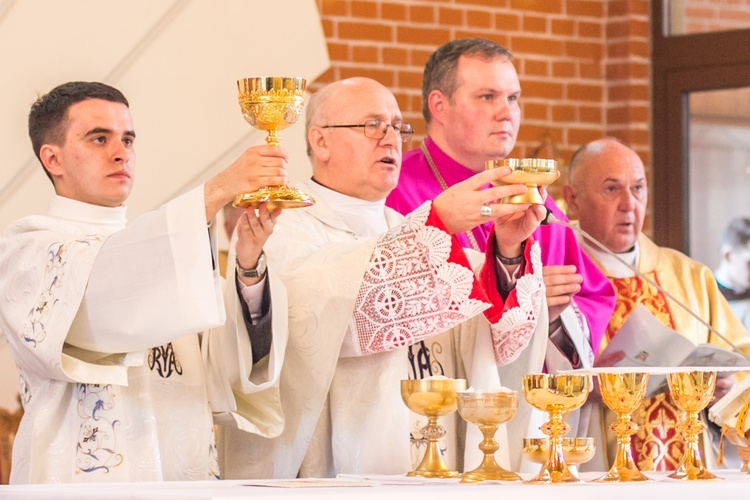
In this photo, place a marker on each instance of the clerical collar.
(78, 211)
(364, 218)
(615, 268)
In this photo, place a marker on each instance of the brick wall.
(583, 64)
(703, 16)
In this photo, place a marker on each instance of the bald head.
(346, 157)
(608, 193)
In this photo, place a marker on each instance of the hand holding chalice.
(532, 172)
(272, 104)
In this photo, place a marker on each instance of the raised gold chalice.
(557, 395)
(577, 450)
(623, 393)
(691, 392)
(272, 103)
(487, 410)
(432, 397)
(532, 172)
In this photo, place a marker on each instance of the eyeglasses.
(375, 129)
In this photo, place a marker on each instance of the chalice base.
(622, 475)
(532, 196)
(274, 197)
(490, 473)
(433, 465)
(692, 468)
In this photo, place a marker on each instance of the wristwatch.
(257, 272)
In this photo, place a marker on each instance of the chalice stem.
(556, 469)
(433, 465)
(624, 467)
(272, 139)
(691, 467)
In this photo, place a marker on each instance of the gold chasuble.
(657, 445)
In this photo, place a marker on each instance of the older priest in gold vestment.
(608, 195)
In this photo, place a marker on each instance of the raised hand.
(561, 284)
(252, 232)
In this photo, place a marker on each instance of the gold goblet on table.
(432, 397)
(487, 410)
(691, 392)
(532, 172)
(557, 395)
(623, 393)
(272, 103)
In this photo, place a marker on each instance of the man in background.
(608, 194)
(733, 273)
(470, 103)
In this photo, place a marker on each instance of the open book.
(644, 341)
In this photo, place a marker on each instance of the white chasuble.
(355, 304)
(102, 322)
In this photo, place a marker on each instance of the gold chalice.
(691, 392)
(623, 393)
(432, 397)
(576, 450)
(272, 103)
(533, 172)
(557, 395)
(487, 410)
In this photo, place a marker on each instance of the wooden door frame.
(682, 64)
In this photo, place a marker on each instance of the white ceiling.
(177, 61)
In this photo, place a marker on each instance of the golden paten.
(532, 172)
(432, 397)
(487, 410)
(577, 450)
(272, 103)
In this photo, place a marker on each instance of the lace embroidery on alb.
(410, 290)
(514, 331)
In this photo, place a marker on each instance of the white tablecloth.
(735, 485)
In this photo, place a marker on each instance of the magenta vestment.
(559, 246)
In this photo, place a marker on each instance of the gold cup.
(557, 395)
(272, 103)
(432, 397)
(691, 392)
(623, 393)
(533, 172)
(487, 410)
(577, 450)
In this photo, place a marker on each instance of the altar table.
(735, 485)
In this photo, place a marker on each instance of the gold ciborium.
(432, 397)
(623, 393)
(557, 395)
(487, 410)
(691, 392)
(272, 103)
(533, 172)
(577, 450)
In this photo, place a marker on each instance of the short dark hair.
(736, 234)
(440, 70)
(47, 118)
